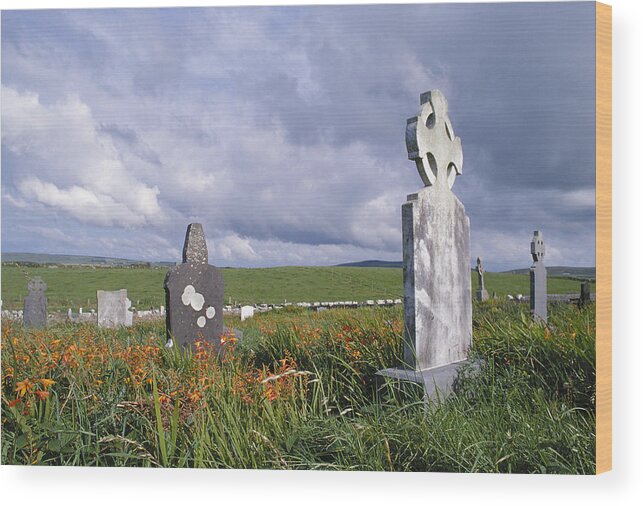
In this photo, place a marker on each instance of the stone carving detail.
(431, 142)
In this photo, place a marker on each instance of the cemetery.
(438, 366)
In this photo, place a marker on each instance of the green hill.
(75, 286)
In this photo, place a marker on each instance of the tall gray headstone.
(194, 295)
(35, 308)
(435, 230)
(113, 308)
(538, 279)
(481, 294)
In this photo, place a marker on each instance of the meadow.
(75, 286)
(299, 391)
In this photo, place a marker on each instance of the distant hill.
(557, 271)
(563, 272)
(44, 258)
(372, 263)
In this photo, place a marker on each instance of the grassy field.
(299, 392)
(74, 287)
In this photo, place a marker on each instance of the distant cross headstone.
(194, 295)
(35, 308)
(538, 279)
(113, 308)
(435, 239)
(585, 294)
(481, 294)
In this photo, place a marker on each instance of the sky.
(281, 129)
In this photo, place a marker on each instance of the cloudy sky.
(282, 129)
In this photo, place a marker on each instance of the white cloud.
(233, 247)
(72, 166)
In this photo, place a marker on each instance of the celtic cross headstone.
(481, 294)
(435, 243)
(538, 279)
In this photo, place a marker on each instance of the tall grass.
(299, 392)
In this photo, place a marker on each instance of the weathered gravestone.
(247, 312)
(481, 294)
(585, 295)
(35, 308)
(538, 279)
(194, 295)
(437, 275)
(113, 308)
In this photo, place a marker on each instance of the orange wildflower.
(46, 383)
(23, 387)
(42, 395)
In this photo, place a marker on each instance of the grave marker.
(481, 294)
(194, 295)
(585, 295)
(247, 312)
(435, 239)
(538, 279)
(113, 308)
(35, 307)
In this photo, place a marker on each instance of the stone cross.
(481, 294)
(538, 279)
(35, 308)
(431, 142)
(436, 260)
(194, 295)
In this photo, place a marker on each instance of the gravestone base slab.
(438, 382)
(482, 295)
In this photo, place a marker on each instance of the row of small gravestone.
(113, 307)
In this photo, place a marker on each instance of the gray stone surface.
(585, 294)
(35, 307)
(435, 230)
(194, 295)
(194, 249)
(481, 293)
(438, 382)
(113, 308)
(431, 142)
(538, 279)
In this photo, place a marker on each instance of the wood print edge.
(603, 238)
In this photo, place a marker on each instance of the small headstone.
(538, 279)
(247, 312)
(585, 294)
(113, 308)
(35, 308)
(194, 295)
(481, 294)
